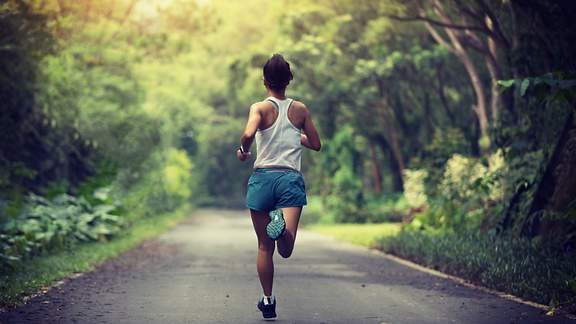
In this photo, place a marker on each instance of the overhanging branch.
(438, 23)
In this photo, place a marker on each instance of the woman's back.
(278, 139)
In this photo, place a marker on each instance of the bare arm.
(247, 137)
(305, 142)
(310, 138)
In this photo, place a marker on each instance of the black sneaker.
(268, 311)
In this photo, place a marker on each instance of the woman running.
(276, 191)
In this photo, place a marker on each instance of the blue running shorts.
(273, 188)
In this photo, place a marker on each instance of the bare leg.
(286, 242)
(264, 262)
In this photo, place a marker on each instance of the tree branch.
(495, 29)
(439, 38)
(475, 44)
(437, 23)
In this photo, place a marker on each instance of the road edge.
(466, 283)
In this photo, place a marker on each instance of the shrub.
(166, 185)
(414, 189)
(315, 212)
(389, 208)
(346, 199)
(468, 193)
(342, 193)
(445, 143)
(49, 224)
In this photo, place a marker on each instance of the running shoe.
(268, 310)
(277, 225)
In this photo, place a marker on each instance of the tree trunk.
(455, 46)
(480, 106)
(442, 96)
(557, 190)
(395, 168)
(494, 96)
(429, 120)
(388, 121)
(376, 173)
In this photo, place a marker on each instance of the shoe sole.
(268, 316)
(271, 231)
(271, 228)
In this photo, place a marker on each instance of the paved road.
(203, 272)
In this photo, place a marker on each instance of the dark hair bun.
(277, 72)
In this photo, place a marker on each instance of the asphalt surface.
(203, 271)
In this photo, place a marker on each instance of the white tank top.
(279, 144)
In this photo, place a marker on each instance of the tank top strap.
(282, 106)
(285, 119)
(280, 103)
(274, 102)
(288, 105)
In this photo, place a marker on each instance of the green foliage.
(177, 174)
(386, 208)
(29, 277)
(169, 182)
(343, 195)
(90, 188)
(551, 87)
(316, 212)
(346, 198)
(377, 209)
(522, 267)
(34, 147)
(546, 103)
(469, 192)
(414, 188)
(362, 234)
(44, 225)
(222, 181)
(435, 155)
(472, 187)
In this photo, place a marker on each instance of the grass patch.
(522, 267)
(377, 210)
(42, 271)
(361, 234)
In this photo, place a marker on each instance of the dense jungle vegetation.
(456, 117)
